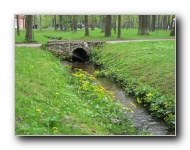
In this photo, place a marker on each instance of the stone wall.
(64, 49)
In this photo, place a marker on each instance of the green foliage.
(147, 72)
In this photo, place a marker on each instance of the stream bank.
(140, 116)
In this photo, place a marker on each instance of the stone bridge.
(72, 50)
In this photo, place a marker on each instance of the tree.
(108, 26)
(144, 23)
(103, 23)
(40, 23)
(86, 26)
(29, 28)
(55, 22)
(17, 21)
(153, 23)
(119, 27)
(61, 22)
(74, 23)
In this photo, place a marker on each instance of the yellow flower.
(149, 94)
(55, 128)
(38, 110)
(138, 100)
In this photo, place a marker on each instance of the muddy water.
(141, 118)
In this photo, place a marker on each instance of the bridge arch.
(80, 55)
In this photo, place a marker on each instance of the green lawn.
(146, 70)
(45, 35)
(52, 101)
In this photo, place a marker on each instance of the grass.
(52, 101)
(147, 72)
(45, 35)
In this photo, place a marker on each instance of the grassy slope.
(50, 101)
(41, 36)
(146, 69)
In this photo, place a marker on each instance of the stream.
(140, 116)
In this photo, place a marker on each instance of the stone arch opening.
(80, 55)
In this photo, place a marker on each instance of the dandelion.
(55, 128)
(138, 100)
(38, 110)
(149, 94)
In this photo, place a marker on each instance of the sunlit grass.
(51, 101)
(42, 36)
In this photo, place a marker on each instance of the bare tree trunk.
(103, 23)
(34, 23)
(144, 23)
(108, 26)
(29, 28)
(40, 23)
(165, 22)
(119, 27)
(86, 26)
(74, 24)
(55, 22)
(61, 22)
(18, 27)
(153, 23)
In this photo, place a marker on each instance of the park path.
(139, 40)
(111, 41)
(29, 45)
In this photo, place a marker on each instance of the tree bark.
(108, 26)
(61, 22)
(55, 22)
(119, 27)
(144, 22)
(40, 22)
(153, 23)
(103, 23)
(86, 26)
(18, 27)
(29, 28)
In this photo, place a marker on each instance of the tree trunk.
(144, 22)
(108, 26)
(165, 22)
(40, 22)
(103, 23)
(86, 26)
(29, 28)
(61, 22)
(119, 27)
(114, 23)
(92, 23)
(74, 25)
(18, 27)
(153, 23)
(55, 22)
(34, 23)
(168, 23)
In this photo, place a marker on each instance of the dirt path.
(28, 45)
(140, 40)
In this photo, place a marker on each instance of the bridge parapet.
(64, 49)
